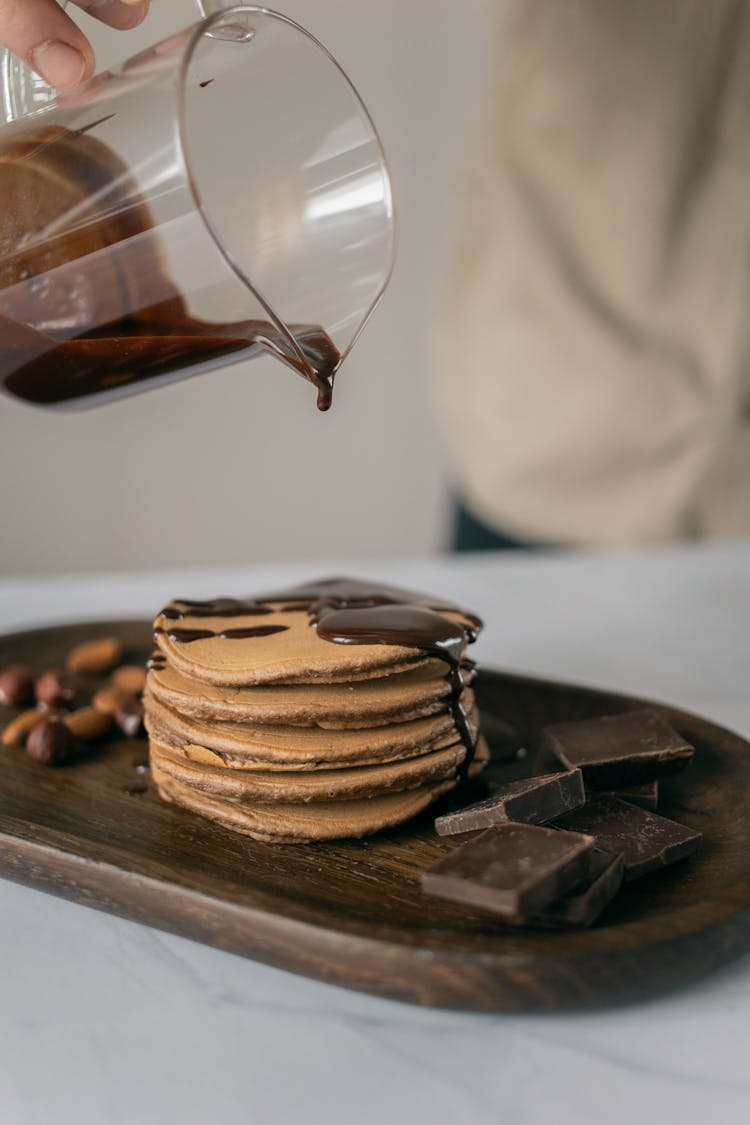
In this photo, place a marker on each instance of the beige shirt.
(593, 353)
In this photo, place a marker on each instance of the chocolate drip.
(343, 592)
(252, 631)
(205, 83)
(217, 607)
(405, 625)
(461, 720)
(157, 659)
(353, 613)
(187, 636)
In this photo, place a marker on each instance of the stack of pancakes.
(258, 723)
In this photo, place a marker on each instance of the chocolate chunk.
(532, 800)
(647, 796)
(617, 751)
(512, 871)
(584, 903)
(645, 841)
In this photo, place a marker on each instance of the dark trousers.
(470, 534)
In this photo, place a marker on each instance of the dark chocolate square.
(584, 903)
(618, 751)
(532, 800)
(646, 841)
(512, 871)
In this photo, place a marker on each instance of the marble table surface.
(104, 1022)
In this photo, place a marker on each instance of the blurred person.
(593, 375)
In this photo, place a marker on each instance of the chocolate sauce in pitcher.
(86, 304)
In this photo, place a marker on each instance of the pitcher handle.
(22, 91)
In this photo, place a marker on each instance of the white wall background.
(237, 467)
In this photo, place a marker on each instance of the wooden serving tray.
(352, 913)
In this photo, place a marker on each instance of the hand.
(40, 33)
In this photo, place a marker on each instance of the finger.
(39, 32)
(122, 14)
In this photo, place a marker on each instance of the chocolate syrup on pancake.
(217, 607)
(355, 591)
(350, 611)
(252, 631)
(410, 626)
(187, 636)
(139, 329)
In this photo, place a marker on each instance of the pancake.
(329, 711)
(407, 695)
(294, 654)
(320, 785)
(250, 747)
(302, 823)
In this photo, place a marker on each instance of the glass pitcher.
(220, 195)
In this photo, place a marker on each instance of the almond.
(17, 731)
(96, 656)
(110, 699)
(88, 724)
(130, 678)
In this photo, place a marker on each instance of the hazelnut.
(16, 685)
(50, 743)
(55, 688)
